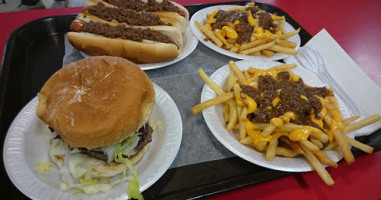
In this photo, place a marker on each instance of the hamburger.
(143, 32)
(98, 109)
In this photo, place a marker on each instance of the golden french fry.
(238, 73)
(268, 130)
(317, 142)
(247, 140)
(282, 23)
(324, 159)
(260, 146)
(284, 67)
(285, 43)
(242, 128)
(289, 34)
(231, 81)
(310, 146)
(211, 102)
(296, 147)
(267, 53)
(281, 49)
(322, 137)
(222, 39)
(270, 153)
(344, 147)
(369, 120)
(324, 175)
(363, 147)
(234, 49)
(257, 48)
(258, 42)
(233, 117)
(209, 34)
(331, 146)
(213, 85)
(226, 112)
(350, 120)
(288, 153)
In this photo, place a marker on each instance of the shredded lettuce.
(127, 147)
(133, 186)
(44, 166)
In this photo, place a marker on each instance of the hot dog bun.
(141, 37)
(172, 18)
(139, 52)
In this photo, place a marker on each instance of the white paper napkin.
(364, 91)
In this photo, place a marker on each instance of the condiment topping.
(275, 97)
(124, 32)
(128, 16)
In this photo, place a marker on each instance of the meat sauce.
(124, 32)
(128, 16)
(149, 6)
(243, 29)
(291, 99)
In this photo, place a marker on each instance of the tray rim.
(179, 194)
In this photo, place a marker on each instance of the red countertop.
(356, 26)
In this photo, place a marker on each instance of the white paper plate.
(200, 16)
(26, 143)
(216, 123)
(190, 44)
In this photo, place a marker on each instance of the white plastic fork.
(314, 61)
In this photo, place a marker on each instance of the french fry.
(242, 128)
(247, 140)
(324, 159)
(233, 117)
(258, 42)
(317, 142)
(211, 102)
(310, 146)
(210, 82)
(270, 153)
(226, 112)
(289, 34)
(288, 153)
(284, 67)
(369, 120)
(331, 146)
(322, 137)
(319, 168)
(267, 53)
(344, 146)
(359, 145)
(257, 48)
(237, 72)
(208, 33)
(281, 49)
(350, 120)
(285, 43)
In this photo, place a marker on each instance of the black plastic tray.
(35, 51)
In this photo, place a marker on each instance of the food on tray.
(248, 30)
(276, 113)
(98, 109)
(143, 32)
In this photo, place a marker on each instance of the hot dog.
(140, 36)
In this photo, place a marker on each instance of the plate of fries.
(281, 144)
(280, 42)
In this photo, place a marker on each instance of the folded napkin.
(364, 91)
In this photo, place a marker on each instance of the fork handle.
(340, 92)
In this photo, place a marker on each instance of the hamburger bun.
(97, 101)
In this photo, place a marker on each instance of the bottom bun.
(139, 52)
(106, 170)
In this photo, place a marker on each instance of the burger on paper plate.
(99, 109)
